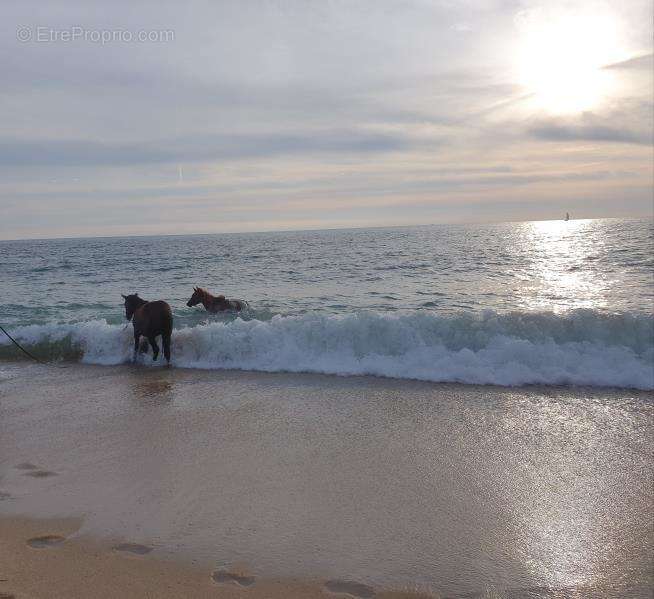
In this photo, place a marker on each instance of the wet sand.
(144, 482)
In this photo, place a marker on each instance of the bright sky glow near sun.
(272, 114)
(561, 59)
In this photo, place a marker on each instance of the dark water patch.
(223, 577)
(432, 293)
(45, 350)
(135, 548)
(42, 269)
(409, 266)
(45, 541)
(40, 473)
(349, 587)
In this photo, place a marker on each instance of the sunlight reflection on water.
(560, 253)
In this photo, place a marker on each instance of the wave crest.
(583, 347)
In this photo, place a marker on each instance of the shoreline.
(146, 366)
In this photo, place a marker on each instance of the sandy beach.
(147, 482)
(55, 563)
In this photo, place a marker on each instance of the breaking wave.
(582, 347)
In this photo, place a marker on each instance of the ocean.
(548, 302)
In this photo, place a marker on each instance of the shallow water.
(512, 303)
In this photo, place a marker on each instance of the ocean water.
(550, 302)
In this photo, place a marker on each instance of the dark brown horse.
(150, 319)
(214, 303)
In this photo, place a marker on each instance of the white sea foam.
(582, 347)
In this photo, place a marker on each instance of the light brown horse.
(150, 319)
(213, 303)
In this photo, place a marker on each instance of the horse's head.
(196, 298)
(132, 302)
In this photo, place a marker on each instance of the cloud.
(644, 62)
(630, 123)
(555, 132)
(51, 152)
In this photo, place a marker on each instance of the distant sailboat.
(567, 217)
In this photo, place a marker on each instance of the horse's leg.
(155, 348)
(137, 337)
(165, 340)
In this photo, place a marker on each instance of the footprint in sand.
(133, 548)
(26, 466)
(40, 473)
(348, 587)
(45, 541)
(34, 470)
(221, 576)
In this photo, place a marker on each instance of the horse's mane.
(208, 295)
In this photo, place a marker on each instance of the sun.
(559, 60)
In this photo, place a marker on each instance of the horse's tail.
(169, 320)
(167, 332)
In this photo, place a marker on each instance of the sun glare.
(559, 61)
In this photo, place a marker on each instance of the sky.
(137, 118)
